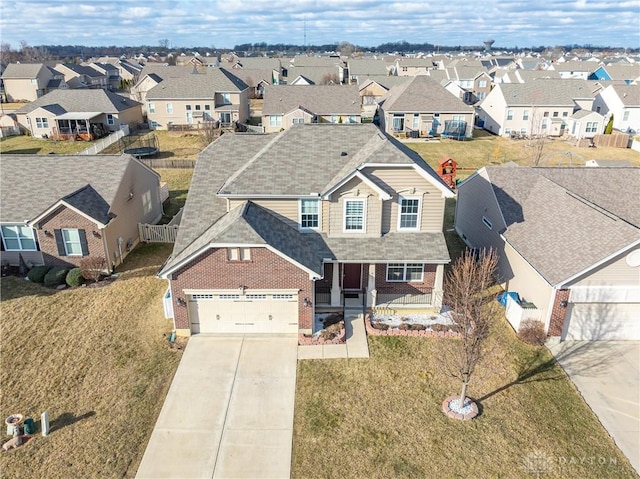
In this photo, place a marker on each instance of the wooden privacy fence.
(168, 163)
(618, 140)
(157, 233)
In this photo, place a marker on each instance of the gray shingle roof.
(367, 67)
(255, 165)
(423, 94)
(319, 99)
(565, 220)
(30, 184)
(629, 94)
(83, 100)
(547, 92)
(197, 85)
(22, 70)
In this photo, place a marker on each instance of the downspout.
(110, 263)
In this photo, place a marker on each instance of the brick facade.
(265, 270)
(67, 218)
(419, 287)
(558, 313)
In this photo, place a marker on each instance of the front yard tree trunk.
(463, 393)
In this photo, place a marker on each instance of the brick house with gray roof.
(57, 210)
(279, 226)
(286, 105)
(569, 245)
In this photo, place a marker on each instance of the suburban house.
(423, 107)
(58, 210)
(407, 66)
(79, 114)
(568, 241)
(585, 124)
(214, 94)
(360, 69)
(623, 102)
(358, 215)
(82, 76)
(286, 105)
(539, 107)
(29, 81)
(110, 71)
(617, 72)
(373, 90)
(474, 82)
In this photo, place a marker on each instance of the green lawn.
(96, 360)
(381, 417)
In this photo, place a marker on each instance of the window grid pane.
(354, 215)
(409, 213)
(72, 242)
(309, 213)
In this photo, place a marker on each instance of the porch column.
(335, 285)
(372, 293)
(436, 294)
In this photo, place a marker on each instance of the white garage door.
(271, 312)
(588, 321)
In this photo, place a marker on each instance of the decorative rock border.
(371, 331)
(304, 340)
(456, 415)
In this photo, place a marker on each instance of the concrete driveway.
(228, 412)
(607, 374)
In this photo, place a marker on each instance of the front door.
(351, 276)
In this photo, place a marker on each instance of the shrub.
(331, 332)
(532, 332)
(404, 327)
(74, 277)
(437, 327)
(417, 327)
(55, 276)
(380, 326)
(92, 267)
(38, 273)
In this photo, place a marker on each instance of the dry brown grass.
(27, 145)
(179, 181)
(381, 418)
(96, 360)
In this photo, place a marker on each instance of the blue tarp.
(502, 297)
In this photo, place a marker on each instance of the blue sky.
(224, 24)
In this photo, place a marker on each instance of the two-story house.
(277, 226)
(539, 107)
(57, 210)
(423, 107)
(213, 94)
(82, 76)
(623, 102)
(286, 105)
(29, 81)
(474, 82)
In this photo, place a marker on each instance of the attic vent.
(344, 153)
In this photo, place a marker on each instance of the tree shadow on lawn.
(543, 366)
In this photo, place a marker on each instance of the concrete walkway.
(228, 412)
(355, 347)
(607, 374)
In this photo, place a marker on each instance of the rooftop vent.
(344, 153)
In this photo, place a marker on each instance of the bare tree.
(209, 131)
(346, 48)
(330, 79)
(466, 293)
(164, 43)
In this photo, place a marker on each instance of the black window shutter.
(60, 242)
(83, 242)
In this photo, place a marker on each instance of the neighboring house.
(87, 114)
(256, 80)
(540, 107)
(621, 72)
(214, 95)
(423, 107)
(360, 69)
(81, 76)
(568, 241)
(623, 102)
(574, 69)
(523, 76)
(414, 66)
(110, 71)
(57, 210)
(29, 81)
(585, 124)
(286, 105)
(357, 216)
(474, 82)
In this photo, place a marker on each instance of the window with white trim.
(525, 115)
(169, 107)
(487, 222)
(592, 127)
(18, 238)
(256, 297)
(71, 239)
(275, 120)
(405, 272)
(110, 119)
(207, 108)
(226, 98)
(239, 254)
(297, 121)
(354, 215)
(409, 214)
(151, 108)
(509, 114)
(187, 107)
(309, 213)
(482, 83)
(42, 122)
(625, 115)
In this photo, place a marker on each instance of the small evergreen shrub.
(74, 277)
(532, 332)
(55, 277)
(37, 273)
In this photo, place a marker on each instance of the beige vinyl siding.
(403, 181)
(475, 200)
(287, 210)
(355, 189)
(131, 117)
(614, 273)
(129, 212)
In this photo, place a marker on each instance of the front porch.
(358, 285)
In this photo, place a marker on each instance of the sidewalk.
(355, 347)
